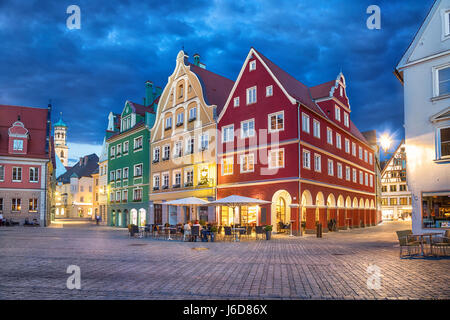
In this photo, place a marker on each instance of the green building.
(129, 161)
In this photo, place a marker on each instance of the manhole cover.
(200, 248)
(137, 244)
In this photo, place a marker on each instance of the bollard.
(319, 230)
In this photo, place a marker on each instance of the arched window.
(281, 210)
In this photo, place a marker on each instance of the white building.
(425, 72)
(396, 198)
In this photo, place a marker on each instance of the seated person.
(196, 224)
(187, 230)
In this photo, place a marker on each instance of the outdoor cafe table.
(238, 233)
(421, 237)
(169, 228)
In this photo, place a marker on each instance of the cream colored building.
(183, 155)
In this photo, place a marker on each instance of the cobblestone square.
(34, 263)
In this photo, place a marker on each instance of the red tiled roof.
(34, 119)
(322, 90)
(295, 88)
(215, 87)
(355, 131)
(140, 109)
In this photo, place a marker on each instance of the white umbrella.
(234, 201)
(190, 201)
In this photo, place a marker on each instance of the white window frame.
(2, 173)
(316, 128)
(126, 147)
(275, 152)
(337, 113)
(159, 153)
(347, 145)
(366, 156)
(339, 170)
(18, 145)
(354, 149)
(269, 121)
(329, 136)
(125, 176)
(317, 162)
(140, 138)
(436, 70)
(142, 170)
(306, 159)
(252, 65)
(305, 123)
(360, 152)
(249, 156)
(347, 173)
(354, 176)
(338, 141)
(269, 91)
(230, 138)
(190, 116)
(330, 167)
(249, 95)
(164, 152)
(17, 170)
(180, 118)
(371, 180)
(346, 119)
(438, 143)
(168, 123)
(236, 102)
(204, 141)
(112, 152)
(228, 159)
(361, 178)
(366, 179)
(445, 15)
(32, 175)
(164, 175)
(249, 133)
(156, 180)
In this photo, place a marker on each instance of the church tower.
(60, 135)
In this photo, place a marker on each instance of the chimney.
(148, 93)
(81, 161)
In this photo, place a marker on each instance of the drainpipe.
(299, 168)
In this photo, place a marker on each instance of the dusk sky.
(91, 71)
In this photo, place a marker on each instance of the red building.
(24, 163)
(295, 146)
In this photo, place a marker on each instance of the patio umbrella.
(234, 201)
(190, 201)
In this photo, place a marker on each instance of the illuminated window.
(247, 163)
(227, 166)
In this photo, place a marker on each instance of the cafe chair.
(408, 241)
(259, 230)
(195, 233)
(441, 244)
(228, 233)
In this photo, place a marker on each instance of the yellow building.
(183, 141)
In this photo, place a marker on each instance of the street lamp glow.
(385, 141)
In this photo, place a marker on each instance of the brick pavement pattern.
(34, 263)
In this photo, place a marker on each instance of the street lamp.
(385, 142)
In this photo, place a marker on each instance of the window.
(156, 182)
(180, 91)
(112, 175)
(276, 158)
(252, 65)
(446, 20)
(192, 114)
(383, 188)
(34, 174)
(125, 147)
(119, 149)
(354, 176)
(190, 145)
(361, 181)
(354, 149)
(189, 178)
(138, 143)
(435, 211)
(168, 123)
(316, 128)
(125, 173)
(360, 153)
(177, 179)
(370, 158)
(329, 136)
(269, 91)
(443, 137)
(366, 179)
(341, 91)
(306, 159)
(371, 180)
(228, 133)
(236, 102)
(156, 154)
(111, 197)
(165, 180)
(227, 166)
(402, 187)
(338, 141)
(330, 167)
(347, 145)
(393, 188)
(317, 163)
(15, 204)
(276, 121)
(346, 119)
(251, 95)
(166, 155)
(138, 170)
(247, 162)
(18, 145)
(442, 81)
(393, 201)
(247, 128)
(113, 152)
(16, 174)
(339, 170)
(125, 195)
(204, 141)
(178, 149)
(347, 173)
(2, 173)
(118, 174)
(1, 204)
(137, 194)
(305, 122)
(384, 201)
(180, 119)
(33, 205)
(81, 188)
(365, 156)
(337, 113)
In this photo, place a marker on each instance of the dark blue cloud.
(92, 71)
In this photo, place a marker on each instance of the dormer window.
(18, 138)
(18, 145)
(252, 65)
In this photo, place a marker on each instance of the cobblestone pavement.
(34, 262)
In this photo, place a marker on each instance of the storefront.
(244, 215)
(436, 210)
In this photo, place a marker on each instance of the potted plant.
(213, 232)
(268, 230)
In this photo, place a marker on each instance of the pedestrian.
(97, 218)
(187, 231)
(1, 219)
